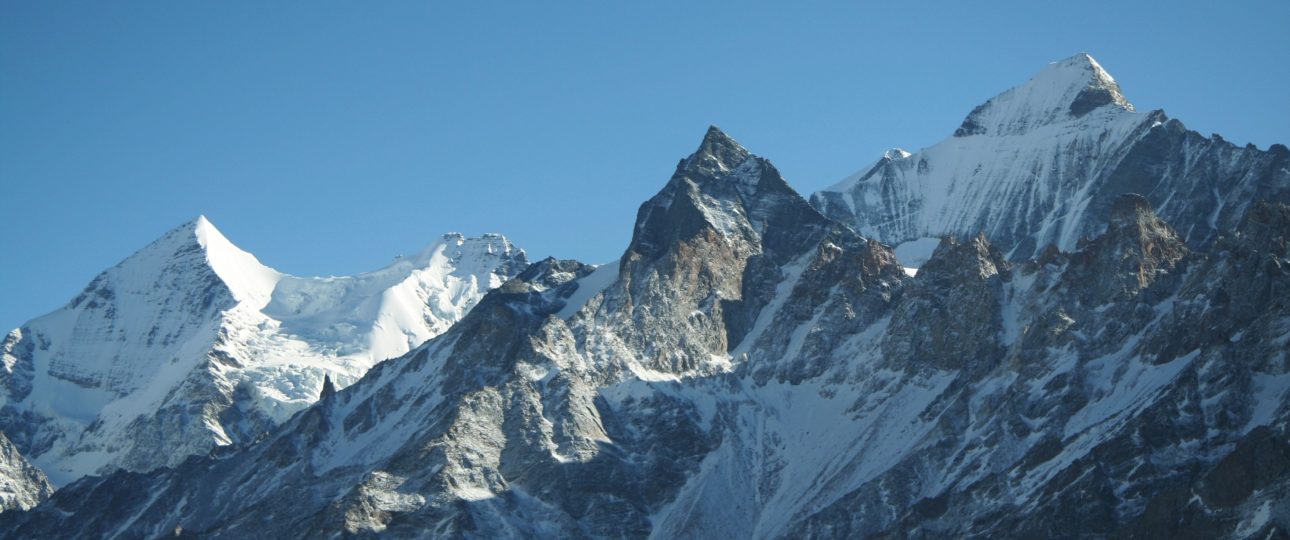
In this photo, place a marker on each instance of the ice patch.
(589, 286)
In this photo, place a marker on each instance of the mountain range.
(1068, 319)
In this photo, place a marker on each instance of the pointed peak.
(207, 234)
(328, 388)
(1066, 90)
(245, 276)
(717, 151)
(714, 136)
(1079, 60)
(192, 226)
(895, 154)
(846, 184)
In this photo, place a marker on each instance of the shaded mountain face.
(192, 344)
(1042, 163)
(752, 369)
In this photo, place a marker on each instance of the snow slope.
(192, 343)
(1037, 164)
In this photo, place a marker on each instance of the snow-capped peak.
(485, 244)
(1035, 165)
(1065, 90)
(191, 323)
(248, 279)
(895, 154)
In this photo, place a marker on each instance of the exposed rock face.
(751, 369)
(191, 344)
(707, 256)
(1137, 249)
(22, 485)
(1042, 164)
(949, 317)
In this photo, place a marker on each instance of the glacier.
(192, 344)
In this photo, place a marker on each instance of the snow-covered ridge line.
(191, 343)
(1037, 164)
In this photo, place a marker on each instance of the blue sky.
(328, 137)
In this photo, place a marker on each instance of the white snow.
(1125, 384)
(589, 286)
(246, 278)
(1045, 98)
(792, 274)
(1001, 177)
(474, 493)
(147, 328)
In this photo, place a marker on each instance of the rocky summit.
(759, 366)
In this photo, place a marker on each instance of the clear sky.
(329, 137)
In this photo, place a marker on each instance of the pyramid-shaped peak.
(717, 151)
(1066, 90)
(207, 234)
(245, 276)
(715, 137)
(895, 154)
(1081, 61)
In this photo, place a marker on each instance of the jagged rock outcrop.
(1042, 164)
(192, 344)
(949, 317)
